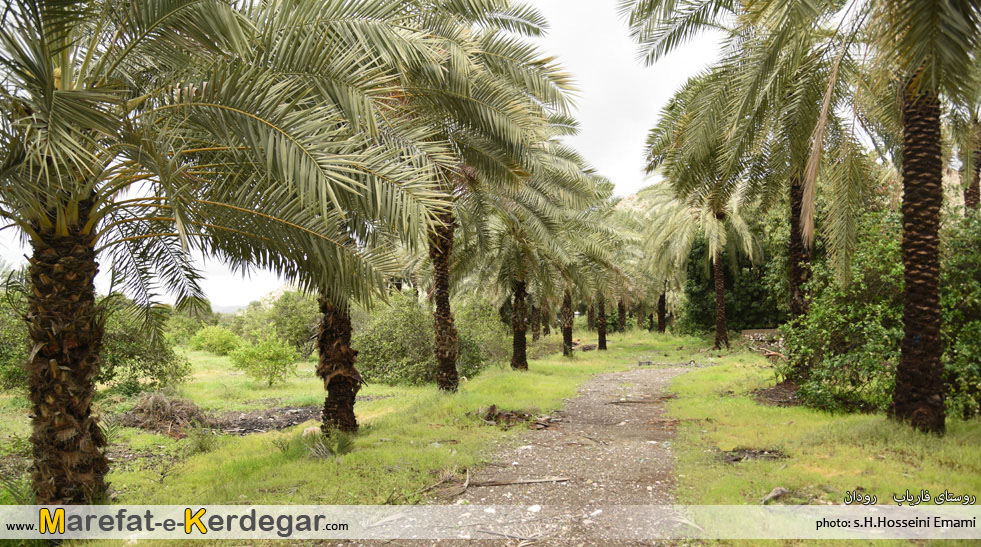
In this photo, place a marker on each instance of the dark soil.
(782, 394)
(509, 418)
(261, 421)
(750, 454)
(13, 466)
(172, 416)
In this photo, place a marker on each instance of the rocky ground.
(609, 446)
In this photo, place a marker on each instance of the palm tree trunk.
(650, 322)
(546, 320)
(621, 316)
(590, 318)
(536, 324)
(800, 259)
(640, 316)
(721, 331)
(66, 330)
(440, 249)
(972, 194)
(336, 368)
(919, 394)
(662, 312)
(601, 323)
(566, 317)
(519, 353)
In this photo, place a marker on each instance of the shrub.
(271, 360)
(180, 328)
(294, 317)
(14, 345)
(133, 361)
(960, 297)
(749, 302)
(849, 340)
(480, 328)
(395, 343)
(217, 340)
(201, 440)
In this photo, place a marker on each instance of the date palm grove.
(355, 146)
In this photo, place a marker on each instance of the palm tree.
(134, 139)
(933, 46)
(371, 239)
(675, 225)
(786, 84)
(528, 237)
(494, 109)
(927, 51)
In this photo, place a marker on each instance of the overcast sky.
(618, 102)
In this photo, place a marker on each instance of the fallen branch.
(463, 490)
(644, 401)
(519, 481)
(508, 536)
(771, 353)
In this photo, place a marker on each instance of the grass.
(827, 454)
(413, 436)
(408, 439)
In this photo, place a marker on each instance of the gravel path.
(614, 446)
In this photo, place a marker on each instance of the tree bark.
(621, 316)
(919, 394)
(721, 331)
(447, 345)
(601, 323)
(590, 319)
(662, 312)
(566, 318)
(972, 194)
(536, 324)
(650, 322)
(66, 329)
(800, 258)
(546, 320)
(640, 316)
(519, 353)
(336, 368)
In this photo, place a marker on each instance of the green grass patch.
(826, 454)
(407, 439)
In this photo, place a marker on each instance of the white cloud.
(620, 98)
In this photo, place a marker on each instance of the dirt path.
(613, 445)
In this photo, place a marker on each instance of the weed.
(201, 440)
(18, 491)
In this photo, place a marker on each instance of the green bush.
(271, 360)
(479, 327)
(217, 340)
(133, 361)
(14, 345)
(960, 297)
(180, 328)
(395, 343)
(750, 304)
(292, 317)
(850, 338)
